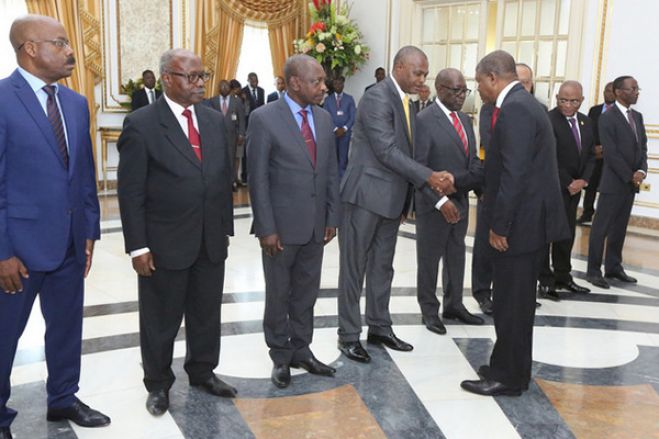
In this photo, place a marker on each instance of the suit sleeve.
(352, 110)
(564, 177)
(6, 250)
(92, 209)
(134, 100)
(644, 144)
(258, 163)
(612, 156)
(240, 109)
(422, 146)
(472, 177)
(590, 160)
(333, 215)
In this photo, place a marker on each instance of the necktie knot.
(303, 113)
(572, 120)
(50, 90)
(187, 113)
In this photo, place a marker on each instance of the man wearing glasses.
(175, 199)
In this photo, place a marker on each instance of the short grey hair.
(295, 65)
(169, 55)
(499, 63)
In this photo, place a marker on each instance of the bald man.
(49, 213)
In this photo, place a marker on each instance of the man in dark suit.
(254, 98)
(445, 140)
(376, 192)
(625, 148)
(574, 146)
(591, 190)
(293, 185)
(174, 187)
(379, 76)
(148, 94)
(341, 106)
(424, 100)
(280, 86)
(49, 214)
(234, 121)
(523, 213)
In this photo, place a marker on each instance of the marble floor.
(596, 361)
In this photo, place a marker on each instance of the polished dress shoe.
(572, 287)
(391, 341)
(78, 413)
(547, 292)
(621, 276)
(486, 305)
(538, 304)
(157, 403)
(5, 433)
(354, 350)
(484, 374)
(281, 375)
(462, 315)
(313, 366)
(217, 387)
(598, 281)
(489, 388)
(434, 325)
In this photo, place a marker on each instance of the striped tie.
(55, 120)
(461, 133)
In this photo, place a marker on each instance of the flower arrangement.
(333, 39)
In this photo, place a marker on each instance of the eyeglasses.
(193, 77)
(457, 91)
(573, 102)
(60, 43)
(631, 89)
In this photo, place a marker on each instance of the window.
(255, 57)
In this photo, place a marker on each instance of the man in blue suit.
(49, 214)
(341, 106)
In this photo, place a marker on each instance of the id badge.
(339, 112)
(234, 117)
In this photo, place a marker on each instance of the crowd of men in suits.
(179, 159)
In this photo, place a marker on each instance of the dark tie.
(55, 119)
(630, 118)
(495, 116)
(458, 128)
(193, 134)
(308, 136)
(254, 95)
(575, 132)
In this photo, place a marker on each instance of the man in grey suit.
(234, 121)
(445, 140)
(376, 192)
(293, 184)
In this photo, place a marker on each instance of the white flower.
(358, 49)
(320, 47)
(341, 20)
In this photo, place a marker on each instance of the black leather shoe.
(312, 365)
(78, 413)
(354, 350)
(547, 292)
(217, 387)
(622, 277)
(281, 375)
(462, 315)
(434, 325)
(572, 287)
(598, 281)
(157, 403)
(486, 305)
(390, 341)
(5, 433)
(483, 372)
(489, 388)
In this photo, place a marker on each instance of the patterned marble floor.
(595, 368)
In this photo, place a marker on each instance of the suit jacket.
(169, 200)
(44, 206)
(572, 163)
(251, 103)
(289, 196)
(522, 199)
(417, 104)
(140, 99)
(381, 167)
(594, 114)
(347, 119)
(623, 153)
(485, 125)
(234, 119)
(273, 96)
(439, 147)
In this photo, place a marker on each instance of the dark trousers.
(514, 311)
(591, 190)
(610, 224)
(292, 280)
(164, 298)
(561, 251)
(61, 293)
(438, 240)
(342, 147)
(481, 265)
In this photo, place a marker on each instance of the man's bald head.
(451, 88)
(570, 85)
(305, 80)
(296, 66)
(410, 69)
(27, 27)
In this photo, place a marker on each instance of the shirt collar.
(35, 83)
(177, 108)
(400, 90)
(504, 93)
(446, 111)
(294, 106)
(622, 108)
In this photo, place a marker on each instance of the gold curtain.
(81, 19)
(281, 38)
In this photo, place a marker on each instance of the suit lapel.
(623, 119)
(70, 122)
(291, 125)
(174, 133)
(208, 149)
(398, 108)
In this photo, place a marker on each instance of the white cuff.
(643, 172)
(441, 202)
(139, 252)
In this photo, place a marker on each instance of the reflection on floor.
(595, 361)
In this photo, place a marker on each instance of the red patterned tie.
(458, 127)
(224, 105)
(495, 116)
(308, 136)
(55, 120)
(193, 134)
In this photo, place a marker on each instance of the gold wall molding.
(606, 6)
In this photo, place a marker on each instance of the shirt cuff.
(441, 202)
(643, 172)
(139, 252)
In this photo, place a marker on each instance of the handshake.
(442, 182)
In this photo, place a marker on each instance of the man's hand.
(576, 186)
(442, 182)
(638, 178)
(89, 252)
(11, 271)
(450, 212)
(330, 233)
(240, 140)
(499, 242)
(271, 244)
(340, 132)
(598, 151)
(143, 264)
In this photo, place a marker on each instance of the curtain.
(81, 20)
(281, 38)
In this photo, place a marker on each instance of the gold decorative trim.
(648, 204)
(607, 5)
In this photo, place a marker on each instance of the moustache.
(71, 60)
